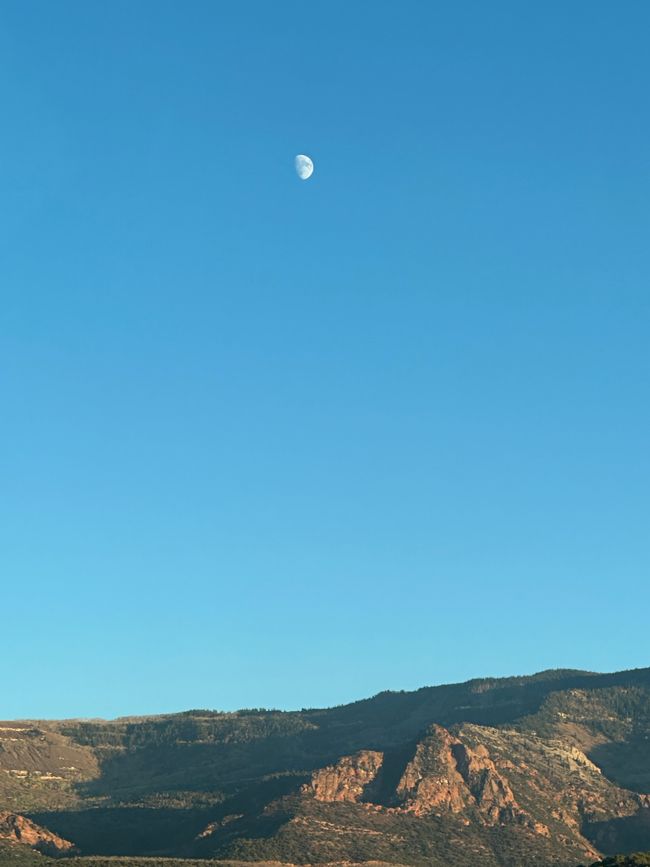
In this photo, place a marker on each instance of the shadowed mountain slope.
(554, 767)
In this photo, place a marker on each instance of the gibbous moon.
(304, 167)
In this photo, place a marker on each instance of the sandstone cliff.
(445, 773)
(545, 769)
(17, 829)
(347, 780)
(485, 777)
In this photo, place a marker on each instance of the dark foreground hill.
(552, 769)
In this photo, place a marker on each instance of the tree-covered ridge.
(553, 767)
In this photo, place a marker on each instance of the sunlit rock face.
(347, 780)
(15, 828)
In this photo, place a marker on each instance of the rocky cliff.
(488, 777)
(446, 773)
(553, 769)
(19, 830)
(348, 779)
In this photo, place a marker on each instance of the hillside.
(550, 769)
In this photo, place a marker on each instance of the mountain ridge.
(547, 674)
(556, 764)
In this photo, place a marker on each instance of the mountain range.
(551, 769)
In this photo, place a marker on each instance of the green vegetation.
(21, 856)
(149, 788)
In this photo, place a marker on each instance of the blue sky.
(267, 442)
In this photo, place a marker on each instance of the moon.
(304, 167)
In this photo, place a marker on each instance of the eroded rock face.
(431, 781)
(488, 777)
(489, 789)
(446, 774)
(347, 779)
(17, 829)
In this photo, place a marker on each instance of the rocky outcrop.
(444, 775)
(489, 789)
(17, 829)
(213, 827)
(447, 775)
(431, 782)
(347, 779)
(483, 777)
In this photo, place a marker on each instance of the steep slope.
(611, 723)
(18, 830)
(488, 790)
(39, 767)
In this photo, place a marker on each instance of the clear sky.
(266, 442)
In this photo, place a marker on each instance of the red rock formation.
(489, 789)
(346, 780)
(17, 829)
(446, 774)
(431, 782)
